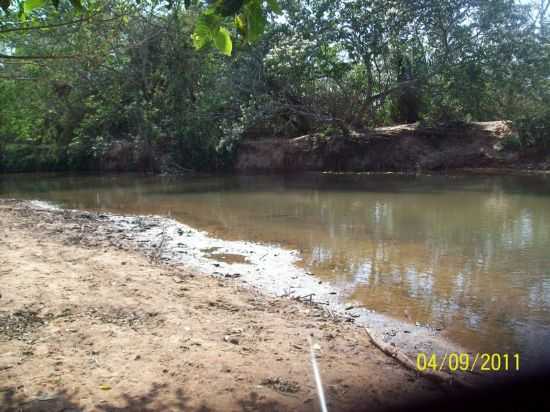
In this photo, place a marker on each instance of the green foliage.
(25, 8)
(511, 142)
(30, 5)
(28, 156)
(445, 111)
(208, 29)
(533, 130)
(249, 21)
(156, 96)
(222, 40)
(70, 98)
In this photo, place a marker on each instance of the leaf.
(240, 24)
(5, 4)
(206, 28)
(201, 35)
(30, 5)
(255, 19)
(199, 39)
(77, 4)
(222, 41)
(274, 6)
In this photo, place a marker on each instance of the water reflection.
(466, 254)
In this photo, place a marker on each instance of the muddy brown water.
(466, 254)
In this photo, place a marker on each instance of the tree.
(325, 66)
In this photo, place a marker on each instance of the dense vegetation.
(155, 83)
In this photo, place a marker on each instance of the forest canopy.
(185, 81)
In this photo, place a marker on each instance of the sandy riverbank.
(88, 322)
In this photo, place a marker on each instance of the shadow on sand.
(66, 401)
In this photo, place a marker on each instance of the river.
(466, 254)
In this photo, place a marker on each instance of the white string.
(317, 376)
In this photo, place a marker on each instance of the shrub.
(533, 130)
(29, 157)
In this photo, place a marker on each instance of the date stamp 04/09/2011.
(467, 362)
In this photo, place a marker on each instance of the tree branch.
(19, 78)
(44, 57)
(55, 25)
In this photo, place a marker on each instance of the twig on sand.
(156, 255)
(286, 293)
(308, 297)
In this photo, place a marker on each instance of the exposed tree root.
(403, 359)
